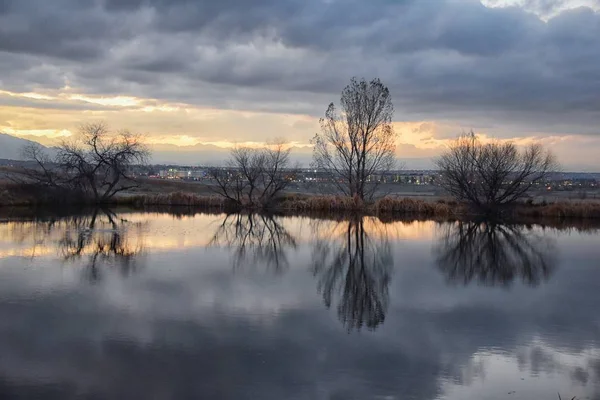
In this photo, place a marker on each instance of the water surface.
(158, 306)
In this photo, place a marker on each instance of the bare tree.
(359, 144)
(276, 174)
(95, 164)
(44, 171)
(492, 175)
(254, 177)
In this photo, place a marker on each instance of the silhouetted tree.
(95, 164)
(254, 177)
(489, 176)
(360, 143)
(493, 253)
(44, 171)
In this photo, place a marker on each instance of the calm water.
(155, 306)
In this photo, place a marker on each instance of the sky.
(194, 74)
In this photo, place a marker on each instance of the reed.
(561, 210)
(319, 203)
(299, 203)
(172, 200)
(442, 209)
(32, 195)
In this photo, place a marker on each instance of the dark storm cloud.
(442, 59)
(61, 28)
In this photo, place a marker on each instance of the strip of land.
(395, 200)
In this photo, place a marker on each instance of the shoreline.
(388, 208)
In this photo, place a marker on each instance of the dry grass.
(305, 204)
(24, 194)
(30, 195)
(384, 206)
(164, 186)
(319, 203)
(441, 209)
(561, 210)
(173, 199)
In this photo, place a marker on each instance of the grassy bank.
(173, 199)
(561, 210)
(52, 213)
(302, 204)
(299, 204)
(32, 195)
(384, 206)
(15, 195)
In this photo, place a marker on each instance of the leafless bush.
(489, 176)
(95, 164)
(254, 177)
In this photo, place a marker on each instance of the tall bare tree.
(360, 143)
(254, 177)
(96, 163)
(492, 175)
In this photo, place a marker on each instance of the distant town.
(558, 180)
(581, 184)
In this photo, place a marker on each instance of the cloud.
(506, 69)
(544, 8)
(456, 59)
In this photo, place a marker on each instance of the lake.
(124, 305)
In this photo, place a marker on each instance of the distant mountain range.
(11, 146)
(207, 154)
(203, 154)
(200, 154)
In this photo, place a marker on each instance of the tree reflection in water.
(494, 253)
(102, 238)
(255, 239)
(353, 261)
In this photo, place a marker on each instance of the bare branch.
(96, 163)
(492, 175)
(359, 144)
(254, 178)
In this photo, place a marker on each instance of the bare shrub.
(489, 176)
(254, 177)
(95, 164)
